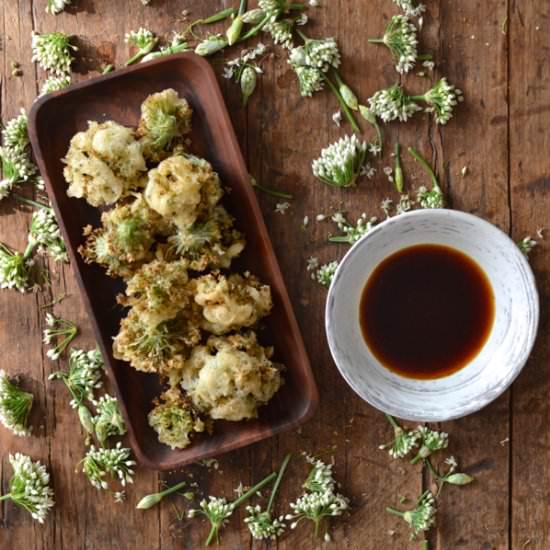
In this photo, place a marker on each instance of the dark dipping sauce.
(426, 311)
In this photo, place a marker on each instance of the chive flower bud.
(350, 99)
(86, 419)
(234, 31)
(248, 83)
(211, 45)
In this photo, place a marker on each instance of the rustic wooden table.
(497, 52)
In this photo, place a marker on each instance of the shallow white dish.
(500, 360)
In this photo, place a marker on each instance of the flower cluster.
(15, 268)
(340, 163)
(312, 61)
(144, 40)
(404, 441)
(273, 9)
(54, 83)
(17, 165)
(108, 420)
(430, 198)
(53, 52)
(15, 406)
(29, 487)
(393, 104)
(57, 6)
(526, 245)
(431, 441)
(61, 332)
(421, 517)
(410, 7)
(400, 38)
(352, 233)
(262, 525)
(44, 234)
(217, 510)
(441, 100)
(115, 462)
(281, 32)
(83, 376)
(320, 499)
(326, 272)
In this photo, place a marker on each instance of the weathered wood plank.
(529, 119)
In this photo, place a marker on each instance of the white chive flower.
(281, 32)
(310, 80)
(116, 463)
(282, 207)
(322, 54)
(430, 442)
(320, 500)
(340, 163)
(410, 7)
(217, 510)
(15, 406)
(400, 38)
(84, 375)
(352, 233)
(430, 198)
(441, 100)
(53, 51)
(29, 487)
(404, 204)
(57, 6)
(15, 268)
(527, 244)
(326, 272)
(108, 420)
(393, 104)
(144, 40)
(45, 235)
(15, 135)
(273, 9)
(404, 441)
(421, 517)
(59, 332)
(262, 525)
(54, 83)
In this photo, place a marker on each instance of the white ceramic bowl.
(500, 360)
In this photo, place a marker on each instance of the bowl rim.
(474, 405)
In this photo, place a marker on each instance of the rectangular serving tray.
(53, 120)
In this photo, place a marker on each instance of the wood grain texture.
(499, 134)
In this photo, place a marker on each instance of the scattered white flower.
(386, 206)
(15, 406)
(393, 104)
(526, 245)
(60, 332)
(282, 207)
(400, 39)
(262, 525)
(320, 217)
(305, 222)
(108, 420)
(441, 100)
(404, 204)
(411, 7)
(422, 517)
(84, 375)
(320, 499)
(53, 51)
(312, 264)
(29, 487)
(115, 462)
(15, 268)
(54, 83)
(119, 496)
(352, 233)
(337, 118)
(314, 3)
(464, 171)
(44, 234)
(144, 40)
(57, 6)
(340, 163)
(326, 272)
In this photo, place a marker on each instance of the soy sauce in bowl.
(426, 311)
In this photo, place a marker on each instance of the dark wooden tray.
(53, 120)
